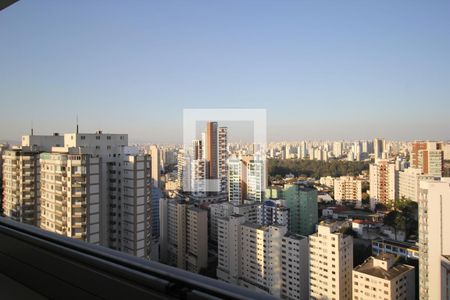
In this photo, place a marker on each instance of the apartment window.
(82, 137)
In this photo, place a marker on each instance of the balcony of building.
(35, 264)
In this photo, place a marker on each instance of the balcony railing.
(58, 267)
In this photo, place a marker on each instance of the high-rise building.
(429, 157)
(156, 197)
(379, 146)
(199, 177)
(245, 179)
(237, 181)
(434, 241)
(409, 181)
(273, 212)
(211, 148)
(250, 210)
(21, 177)
(2, 149)
(91, 187)
(156, 165)
(303, 208)
(337, 149)
(183, 235)
(347, 188)
(263, 258)
(294, 267)
(381, 277)
(383, 182)
(255, 179)
(331, 262)
(222, 157)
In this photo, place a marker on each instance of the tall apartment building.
(379, 146)
(273, 212)
(199, 177)
(331, 262)
(434, 241)
(294, 267)
(246, 179)
(250, 210)
(237, 183)
(156, 165)
(381, 277)
(229, 248)
(2, 149)
(428, 156)
(347, 188)
(70, 195)
(183, 235)
(383, 182)
(21, 177)
(255, 179)
(338, 149)
(211, 149)
(303, 208)
(408, 183)
(92, 187)
(263, 258)
(222, 138)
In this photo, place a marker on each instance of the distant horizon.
(132, 140)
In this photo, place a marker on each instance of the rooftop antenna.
(77, 123)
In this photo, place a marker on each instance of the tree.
(403, 216)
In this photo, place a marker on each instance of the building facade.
(434, 244)
(331, 262)
(381, 277)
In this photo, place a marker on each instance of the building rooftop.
(397, 244)
(295, 236)
(369, 267)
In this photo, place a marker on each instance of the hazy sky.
(322, 69)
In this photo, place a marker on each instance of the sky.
(348, 69)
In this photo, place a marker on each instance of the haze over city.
(323, 70)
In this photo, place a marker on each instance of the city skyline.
(326, 71)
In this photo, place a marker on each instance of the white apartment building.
(246, 179)
(222, 138)
(199, 176)
(273, 212)
(196, 239)
(262, 258)
(381, 278)
(92, 187)
(250, 210)
(236, 187)
(347, 188)
(229, 248)
(156, 165)
(328, 181)
(434, 241)
(338, 149)
(331, 262)
(383, 182)
(408, 183)
(70, 195)
(255, 180)
(21, 177)
(183, 235)
(294, 267)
